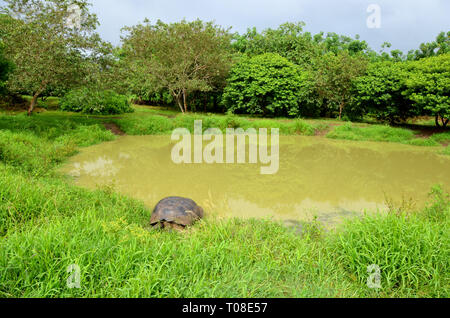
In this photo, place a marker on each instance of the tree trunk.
(444, 122)
(437, 121)
(35, 97)
(178, 98)
(341, 110)
(184, 101)
(33, 103)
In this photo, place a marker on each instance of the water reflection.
(101, 167)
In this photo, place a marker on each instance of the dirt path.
(114, 129)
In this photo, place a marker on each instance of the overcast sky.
(404, 23)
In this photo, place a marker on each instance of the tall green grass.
(37, 144)
(380, 133)
(157, 124)
(442, 137)
(47, 224)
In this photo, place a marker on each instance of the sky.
(404, 23)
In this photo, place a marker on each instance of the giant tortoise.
(175, 213)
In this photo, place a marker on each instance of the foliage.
(396, 91)
(290, 40)
(6, 67)
(440, 46)
(381, 92)
(181, 57)
(428, 86)
(335, 76)
(267, 85)
(89, 101)
(45, 49)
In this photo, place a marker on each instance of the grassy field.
(47, 224)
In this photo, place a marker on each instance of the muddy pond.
(329, 179)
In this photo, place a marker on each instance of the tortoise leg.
(174, 226)
(158, 226)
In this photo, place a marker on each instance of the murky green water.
(317, 177)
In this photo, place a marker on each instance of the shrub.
(95, 102)
(428, 86)
(381, 93)
(267, 85)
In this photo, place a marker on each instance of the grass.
(442, 137)
(48, 224)
(35, 145)
(413, 254)
(158, 124)
(384, 134)
(446, 151)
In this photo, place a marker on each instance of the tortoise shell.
(176, 212)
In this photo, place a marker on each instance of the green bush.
(396, 91)
(95, 102)
(428, 86)
(267, 85)
(381, 93)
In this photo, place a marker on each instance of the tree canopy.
(267, 84)
(45, 47)
(181, 57)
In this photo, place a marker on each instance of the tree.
(267, 85)
(440, 46)
(380, 92)
(289, 41)
(428, 86)
(335, 75)
(182, 57)
(48, 47)
(5, 69)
